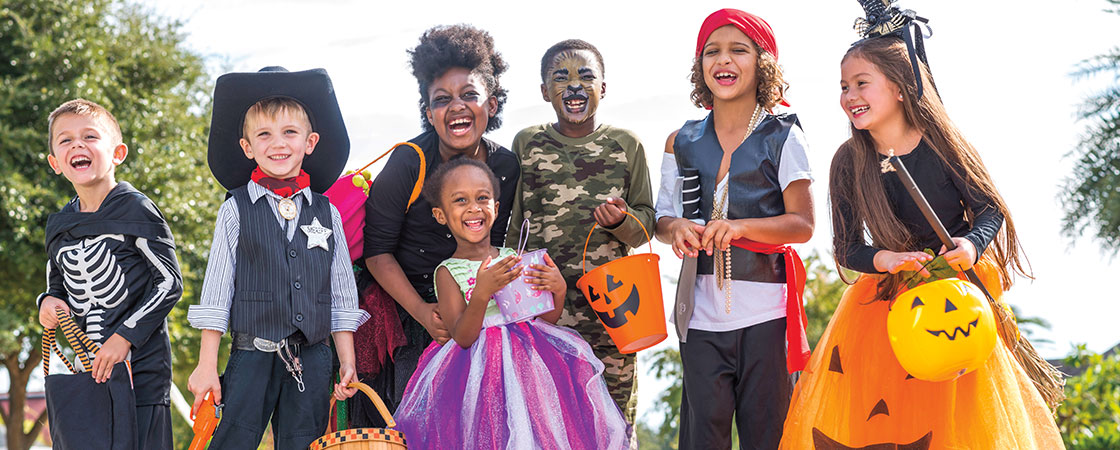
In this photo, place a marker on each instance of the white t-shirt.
(752, 302)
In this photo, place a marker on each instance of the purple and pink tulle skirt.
(525, 385)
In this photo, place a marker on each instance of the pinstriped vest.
(281, 286)
(753, 191)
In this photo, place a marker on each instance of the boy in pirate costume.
(111, 263)
(279, 275)
(574, 173)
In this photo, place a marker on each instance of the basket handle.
(583, 261)
(419, 185)
(381, 408)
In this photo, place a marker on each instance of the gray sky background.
(1002, 68)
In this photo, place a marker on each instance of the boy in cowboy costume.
(279, 275)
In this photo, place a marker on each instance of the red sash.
(797, 351)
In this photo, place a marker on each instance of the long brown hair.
(854, 178)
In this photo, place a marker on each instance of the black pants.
(256, 387)
(153, 423)
(741, 373)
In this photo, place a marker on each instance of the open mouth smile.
(858, 110)
(725, 78)
(473, 225)
(80, 162)
(958, 330)
(460, 126)
(575, 103)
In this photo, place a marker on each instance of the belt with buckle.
(286, 349)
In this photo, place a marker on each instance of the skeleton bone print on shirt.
(93, 279)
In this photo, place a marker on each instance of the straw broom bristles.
(1047, 379)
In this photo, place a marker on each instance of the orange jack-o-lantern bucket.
(626, 295)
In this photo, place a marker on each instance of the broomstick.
(1046, 378)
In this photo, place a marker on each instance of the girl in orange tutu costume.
(854, 393)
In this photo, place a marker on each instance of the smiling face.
(459, 108)
(467, 205)
(730, 64)
(85, 150)
(278, 142)
(870, 100)
(574, 86)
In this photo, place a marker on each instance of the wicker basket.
(363, 438)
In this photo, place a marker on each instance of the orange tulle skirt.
(854, 394)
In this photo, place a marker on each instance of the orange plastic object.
(626, 295)
(206, 420)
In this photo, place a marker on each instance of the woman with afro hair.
(461, 98)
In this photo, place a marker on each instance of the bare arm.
(390, 276)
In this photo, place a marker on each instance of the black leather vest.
(753, 191)
(281, 286)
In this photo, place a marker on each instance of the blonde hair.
(854, 177)
(772, 85)
(273, 107)
(84, 108)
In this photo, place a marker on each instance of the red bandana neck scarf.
(284, 188)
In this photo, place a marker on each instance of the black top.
(116, 268)
(418, 242)
(947, 194)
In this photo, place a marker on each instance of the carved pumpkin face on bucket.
(941, 330)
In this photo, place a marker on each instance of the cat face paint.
(574, 85)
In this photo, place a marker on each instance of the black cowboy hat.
(235, 92)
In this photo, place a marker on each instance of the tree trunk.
(17, 401)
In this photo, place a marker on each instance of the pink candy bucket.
(518, 301)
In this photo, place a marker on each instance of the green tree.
(1089, 418)
(136, 65)
(823, 289)
(1091, 196)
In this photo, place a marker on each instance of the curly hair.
(433, 186)
(570, 44)
(772, 85)
(448, 46)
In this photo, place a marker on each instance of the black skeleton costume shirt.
(116, 268)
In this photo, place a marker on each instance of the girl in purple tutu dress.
(516, 385)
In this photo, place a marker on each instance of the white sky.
(1002, 68)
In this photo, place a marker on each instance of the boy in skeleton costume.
(111, 263)
(279, 276)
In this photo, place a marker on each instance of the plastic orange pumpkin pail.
(626, 296)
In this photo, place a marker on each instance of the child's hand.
(686, 237)
(48, 317)
(346, 375)
(894, 262)
(961, 258)
(204, 380)
(611, 213)
(546, 276)
(718, 235)
(491, 278)
(113, 351)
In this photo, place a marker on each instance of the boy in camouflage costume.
(575, 173)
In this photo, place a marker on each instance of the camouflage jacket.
(563, 180)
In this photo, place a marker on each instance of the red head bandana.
(751, 25)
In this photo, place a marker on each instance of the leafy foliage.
(1090, 416)
(136, 65)
(1091, 196)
